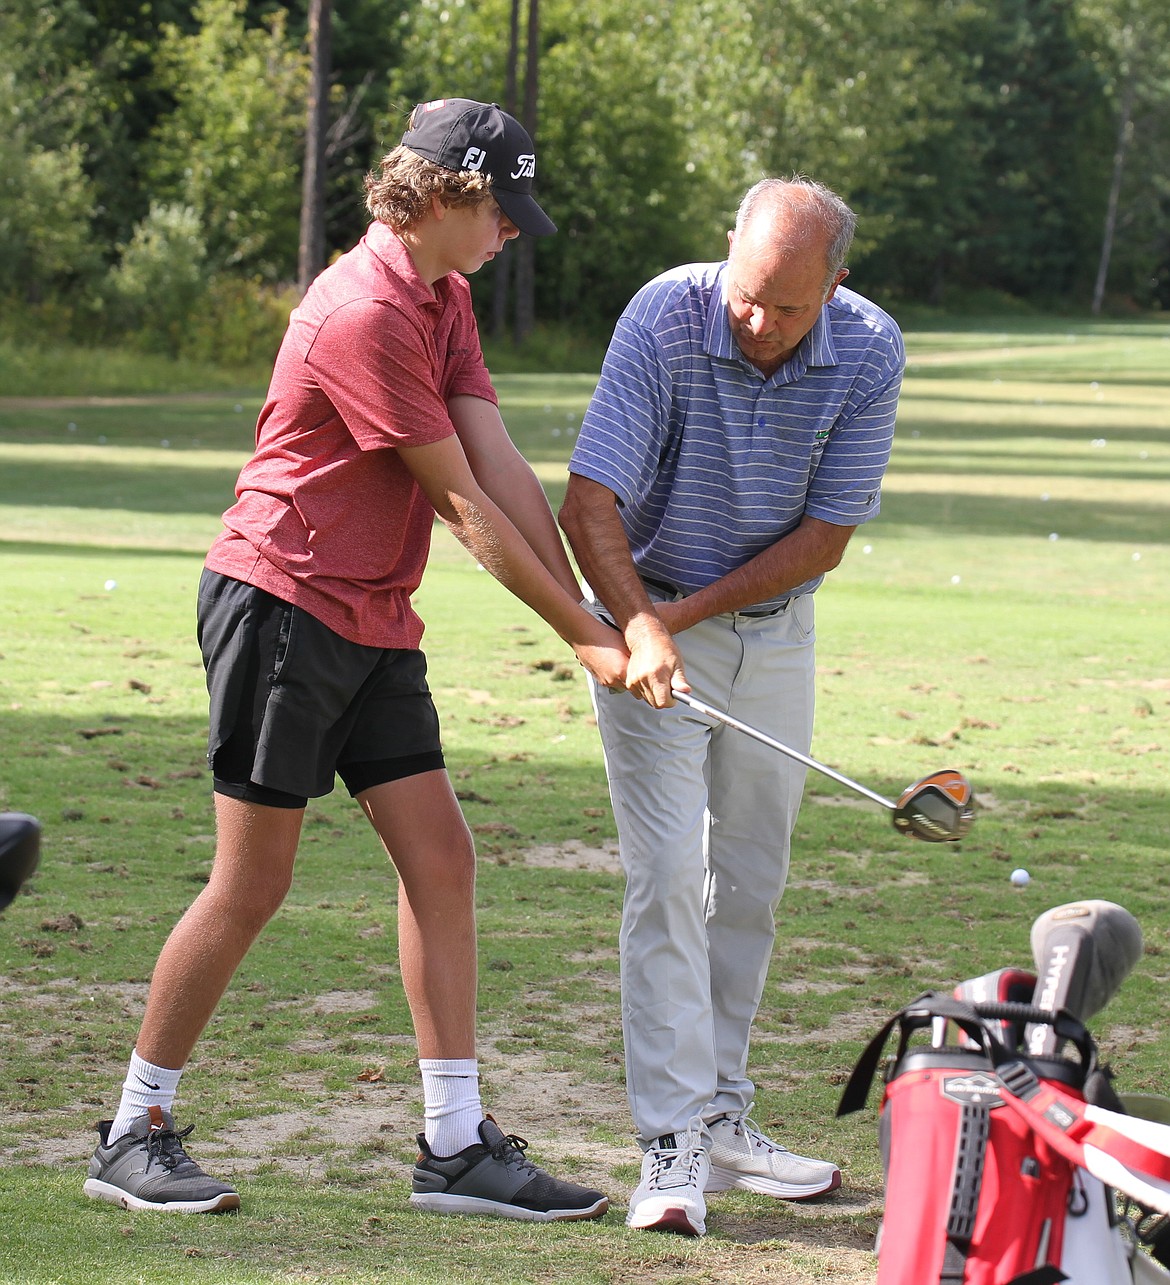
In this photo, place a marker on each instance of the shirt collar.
(386, 246)
(815, 349)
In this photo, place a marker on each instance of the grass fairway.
(1005, 615)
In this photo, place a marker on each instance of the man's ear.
(833, 288)
(438, 209)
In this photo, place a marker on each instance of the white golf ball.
(111, 585)
(1021, 878)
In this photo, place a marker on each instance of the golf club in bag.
(1083, 950)
(940, 808)
(1000, 1162)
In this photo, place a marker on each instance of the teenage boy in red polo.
(380, 415)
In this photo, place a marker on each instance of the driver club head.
(938, 809)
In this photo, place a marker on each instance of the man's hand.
(655, 665)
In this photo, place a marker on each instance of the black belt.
(673, 592)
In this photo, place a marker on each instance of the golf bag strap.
(915, 1016)
(966, 1183)
(1061, 1120)
(973, 1020)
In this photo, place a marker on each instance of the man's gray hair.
(804, 203)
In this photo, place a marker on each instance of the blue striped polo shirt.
(710, 462)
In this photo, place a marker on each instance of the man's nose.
(760, 325)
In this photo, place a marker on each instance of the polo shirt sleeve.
(845, 487)
(466, 372)
(377, 366)
(624, 432)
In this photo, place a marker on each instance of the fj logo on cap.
(473, 159)
(525, 166)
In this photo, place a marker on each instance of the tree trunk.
(501, 286)
(311, 253)
(1124, 135)
(525, 245)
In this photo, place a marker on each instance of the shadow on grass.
(950, 513)
(209, 491)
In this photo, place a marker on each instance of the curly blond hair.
(400, 195)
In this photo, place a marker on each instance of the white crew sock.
(451, 1103)
(145, 1086)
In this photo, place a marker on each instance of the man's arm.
(590, 519)
(506, 477)
(810, 549)
(481, 526)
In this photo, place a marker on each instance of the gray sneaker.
(147, 1168)
(493, 1177)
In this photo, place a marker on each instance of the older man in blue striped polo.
(737, 438)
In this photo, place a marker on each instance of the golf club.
(1004, 986)
(1083, 950)
(939, 808)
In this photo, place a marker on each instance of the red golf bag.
(974, 1194)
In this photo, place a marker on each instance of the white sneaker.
(743, 1157)
(675, 1170)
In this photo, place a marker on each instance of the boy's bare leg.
(255, 850)
(419, 821)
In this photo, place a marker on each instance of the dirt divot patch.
(573, 855)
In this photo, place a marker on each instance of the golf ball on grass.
(1020, 878)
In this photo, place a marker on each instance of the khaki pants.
(704, 816)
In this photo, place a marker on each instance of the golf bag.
(985, 1168)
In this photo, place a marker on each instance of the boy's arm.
(486, 532)
(506, 477)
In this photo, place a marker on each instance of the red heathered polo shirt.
(327, 516)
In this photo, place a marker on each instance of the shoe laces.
(510, 1151)
(676, 1167)
(166, 1147)
(745, 1126)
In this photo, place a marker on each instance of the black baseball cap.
(461, 134)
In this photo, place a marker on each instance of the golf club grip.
(701, 707)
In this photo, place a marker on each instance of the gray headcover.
(1083, 950)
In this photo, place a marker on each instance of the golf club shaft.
(702, 707)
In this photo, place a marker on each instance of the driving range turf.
(1005, 615)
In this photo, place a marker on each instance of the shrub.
(240, 321)
(160, 280)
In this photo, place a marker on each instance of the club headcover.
(1083, 950)
(1004, 986)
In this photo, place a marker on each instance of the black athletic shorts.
(293, 703)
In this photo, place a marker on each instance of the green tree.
(232, 147)
(1131, 44)
(613, 169)
(365, 38)
(160, 279)
(47, 199)
(964, 133)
